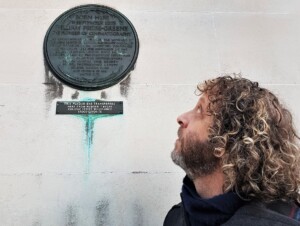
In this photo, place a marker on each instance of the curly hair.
(256, 135)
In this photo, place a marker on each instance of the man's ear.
(219, 152)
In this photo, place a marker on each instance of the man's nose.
(182, 120)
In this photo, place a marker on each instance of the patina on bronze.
(91, 47)
(89, 107)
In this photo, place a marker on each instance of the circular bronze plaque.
(91, 47)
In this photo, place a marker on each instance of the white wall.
(131, 180)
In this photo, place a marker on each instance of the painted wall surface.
(62, 170)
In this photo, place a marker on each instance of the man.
(238, 149)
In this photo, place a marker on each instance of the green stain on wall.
(89, 121)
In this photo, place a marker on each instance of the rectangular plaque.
(89, 107)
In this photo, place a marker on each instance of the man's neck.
(210, 185)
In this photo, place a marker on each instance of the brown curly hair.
(256, 135)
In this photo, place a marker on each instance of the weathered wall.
(131, 181)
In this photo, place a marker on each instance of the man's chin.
(175, 156)
(178, 160)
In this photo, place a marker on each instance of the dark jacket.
(251, 214)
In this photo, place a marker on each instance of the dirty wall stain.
(71, 216)
(36, 223)
(125, 86)
(75, 95)
(103, 95)
(54, 88)
(138, 214)
(102, 213)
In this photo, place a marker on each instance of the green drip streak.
(89, 121)
(89, 130)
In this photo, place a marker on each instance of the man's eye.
(199, 110)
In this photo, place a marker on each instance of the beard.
(195, 157)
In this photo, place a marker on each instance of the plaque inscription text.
(89, 107)
(91, 47)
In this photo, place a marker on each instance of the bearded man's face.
(193, 152)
